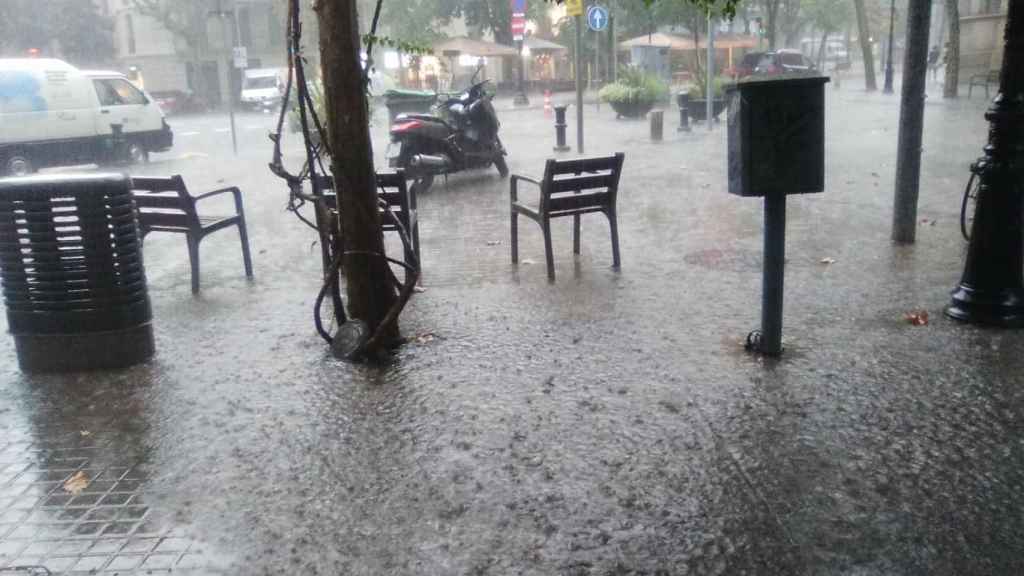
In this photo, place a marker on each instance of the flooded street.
(609, 423)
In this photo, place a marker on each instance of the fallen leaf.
(875, 174)
(527, 262)
(828, 260)
(418, 289)
(76, 483)
(917, 317)
(85, 433)
(494, 242)
(425, 338)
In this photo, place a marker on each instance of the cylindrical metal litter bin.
(71, 268)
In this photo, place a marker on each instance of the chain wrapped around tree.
(370, 330)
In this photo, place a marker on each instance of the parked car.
(178, 102)
(53, 114)
(748, 65)
(785, 62)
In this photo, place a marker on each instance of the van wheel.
(137, 153)
(18, 164)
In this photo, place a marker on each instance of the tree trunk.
(951, 86)
(368, 283)
(908, 151)
(821, 51)
(864, 37)
(773, 25)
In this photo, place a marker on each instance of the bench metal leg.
(576, 234)
(548, 253)
(613, 225)
(246, 256)
(515, 237)
(193, 260)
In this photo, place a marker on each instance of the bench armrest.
(232, 189)
(514, 185)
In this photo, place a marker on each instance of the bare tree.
(771, 9)
(864, 36)
(950, 89)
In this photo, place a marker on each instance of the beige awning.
(685, 43)
(541, 45)
(478, 48)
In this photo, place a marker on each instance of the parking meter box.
(777, 136)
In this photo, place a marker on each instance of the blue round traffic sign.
(597, 18)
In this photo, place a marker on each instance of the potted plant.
(698, 100)
(634, 93)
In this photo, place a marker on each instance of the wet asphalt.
(609, 423)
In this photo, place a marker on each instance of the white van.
(262, 88)
(52, 114)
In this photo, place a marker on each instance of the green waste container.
(408, 101)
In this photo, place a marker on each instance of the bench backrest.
(391, 189)
(580, 185)
(164, 202)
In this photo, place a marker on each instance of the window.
(791, 59)
(108, 96)
(118, 92)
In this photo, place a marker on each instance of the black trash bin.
(408, 101)
(71, 268)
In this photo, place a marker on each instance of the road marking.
(189, 133)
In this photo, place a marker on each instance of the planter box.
(632, 109)
(698, 109)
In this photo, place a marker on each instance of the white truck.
(53, 114)
(262, 88)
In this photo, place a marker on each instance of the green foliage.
(718, 86)
(634, 85)
(403, 46)
(83, 35)
(723, 8)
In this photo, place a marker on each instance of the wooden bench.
(570, 188)
(400, 200)
(165, 205)
(984, 80)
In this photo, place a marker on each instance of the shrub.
(633, 86)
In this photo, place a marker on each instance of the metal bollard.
(683, 100)
(657, 125)
(560, 127)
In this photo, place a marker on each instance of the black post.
(991, 291)
(774, 273)
(521, 98)
(579, 85)
(888, 59)
(683, 100)
(560, 127)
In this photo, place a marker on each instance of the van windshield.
(260, 83)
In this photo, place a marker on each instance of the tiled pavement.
(107, 528)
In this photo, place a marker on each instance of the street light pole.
(990, 290)
(710, 94)
(228, 65)
(888, 59)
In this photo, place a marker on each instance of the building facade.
(162, 60)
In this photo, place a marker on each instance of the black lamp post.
(888, 58)
(991, 290)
